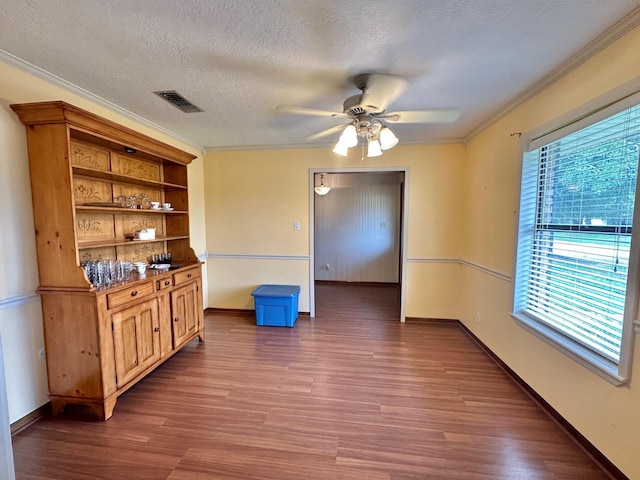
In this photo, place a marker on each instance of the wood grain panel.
(129, 224)
(88, 191)
(54, 216)
(140, 252)
(105, 253)
(349, 394)
(135, 167)
(83, 155)
(136, 340)
(153, 194)
(73, 353)
(95, 226)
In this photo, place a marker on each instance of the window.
(574, 286)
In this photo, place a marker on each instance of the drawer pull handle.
(189, 276)
(167, 282)
(134, 293)
(157, 329)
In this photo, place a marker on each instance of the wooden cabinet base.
(102, 408)
(97, 349)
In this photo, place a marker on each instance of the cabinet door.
(136, 339)
(184, 304)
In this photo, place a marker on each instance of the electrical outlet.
(477, 317)
(42, 353)
(296, 226)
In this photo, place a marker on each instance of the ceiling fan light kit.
(366, 111)
(379, 136)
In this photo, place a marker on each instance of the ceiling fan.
(366, 114)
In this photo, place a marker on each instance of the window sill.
(585, 357)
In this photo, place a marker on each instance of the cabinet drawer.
(129, 294)
(164, 283)
(186, 276)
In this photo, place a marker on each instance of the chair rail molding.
(242, 256)
(12, 302)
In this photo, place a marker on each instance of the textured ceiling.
(238, 60)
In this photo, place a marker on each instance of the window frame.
(599, 109)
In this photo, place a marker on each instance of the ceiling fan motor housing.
(353, 106)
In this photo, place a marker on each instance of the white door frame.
(403, 232)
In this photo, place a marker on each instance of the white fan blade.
(328, 131)
(381, 90)
(308, 111)
(422, 116)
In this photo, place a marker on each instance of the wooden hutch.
(101, 340)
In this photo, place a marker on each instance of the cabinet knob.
(167, 282)
(176, 319)
(189, 275)
(157, 329)
(134, 293)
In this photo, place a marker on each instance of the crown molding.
(42, 74)
(617, 31)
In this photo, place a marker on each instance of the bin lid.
(276, 291)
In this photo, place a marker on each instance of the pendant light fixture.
(322, 189)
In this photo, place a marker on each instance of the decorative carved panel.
(90, 157)
(139, 252)
(94, 226)
(88, 191)
(105, 253)
(129, 224)
(135, 167)
(153, 194)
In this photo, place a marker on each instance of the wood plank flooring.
(349, 394)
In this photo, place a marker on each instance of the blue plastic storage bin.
(276, 305)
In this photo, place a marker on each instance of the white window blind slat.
(576, 219)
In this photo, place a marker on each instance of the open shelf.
(115, 242)
(124, 210)
(128, 179)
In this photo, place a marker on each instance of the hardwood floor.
(349, 394)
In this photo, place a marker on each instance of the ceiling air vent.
(178, 101)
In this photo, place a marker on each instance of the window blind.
(576, 224)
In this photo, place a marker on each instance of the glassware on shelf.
(160, 259)
(144, 201)
(102, 273)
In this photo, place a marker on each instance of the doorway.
(367, 223)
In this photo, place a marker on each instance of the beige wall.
(606, 415)
(253, 197)
(20, 314)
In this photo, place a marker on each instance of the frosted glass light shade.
(387, 138)
(350, 136)
(374, 149)
(341, 148)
